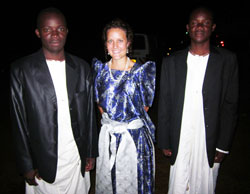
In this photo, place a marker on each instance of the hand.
(100, 109)
(167, 152)
(146, 108)
(219, 157)
(90, 164)
(30, 177)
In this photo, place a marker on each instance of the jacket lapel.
(180, 69)
(71, 77)
(212, 70)
(180, 77)
(42, 74)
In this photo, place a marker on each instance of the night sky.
(86, 19)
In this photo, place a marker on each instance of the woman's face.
(117, 43)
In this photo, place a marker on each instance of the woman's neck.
(119, 64)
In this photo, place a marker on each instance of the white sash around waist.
(124, 158)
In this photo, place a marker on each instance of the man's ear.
(187, 27)
(37, 33)
(213, 27)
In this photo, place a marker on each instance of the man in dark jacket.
(53, 113)
(197, 108)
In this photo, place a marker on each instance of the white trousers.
(183, 183)
(77, 185)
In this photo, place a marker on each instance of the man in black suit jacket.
(53, 131)
(217, 103)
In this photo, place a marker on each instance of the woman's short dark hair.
(118, 23)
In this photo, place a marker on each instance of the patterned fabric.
(112, 157)
(124, 101)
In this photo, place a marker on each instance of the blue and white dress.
(126, 162)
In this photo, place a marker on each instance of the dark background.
(163, 20)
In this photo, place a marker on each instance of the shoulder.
(225, 55)
(222, 51)
(97, 65)
(175, 56)
(77, 60)
(179, 53)
(146, 65)
(147, 69)
(27, 61)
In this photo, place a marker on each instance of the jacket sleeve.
(229, 111)
(163, 132)
(19, 122)
(91, 118)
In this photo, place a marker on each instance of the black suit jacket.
(34, 113)
(220, 100)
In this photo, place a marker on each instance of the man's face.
(200, 26)
(53, 33)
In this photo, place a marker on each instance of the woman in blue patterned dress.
(124, 91)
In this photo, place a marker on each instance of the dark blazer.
(34, 113)
(220, 101)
